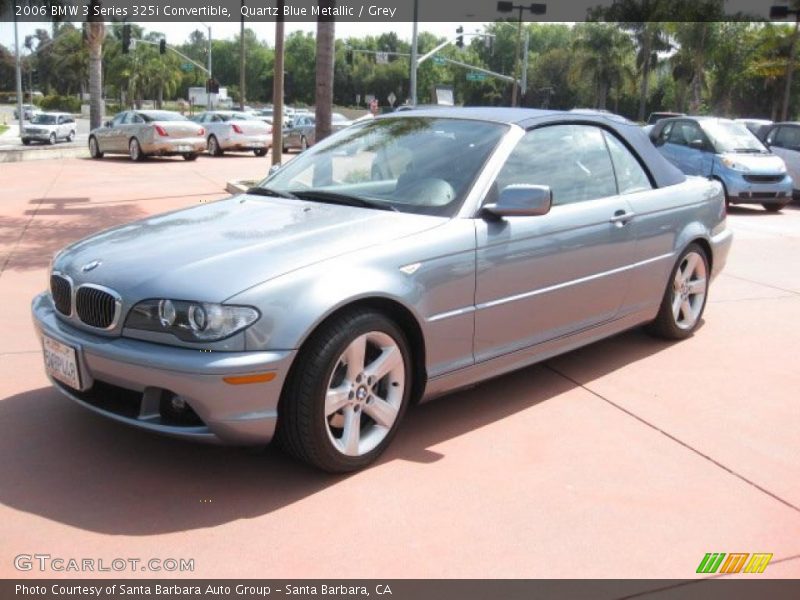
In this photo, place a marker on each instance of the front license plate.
(61, 362)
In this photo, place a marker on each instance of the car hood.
(216, 250)
(766, 164)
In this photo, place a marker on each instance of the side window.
(135, 119)
(787, 137)
(118, 120)
(572, 159)
(631, 177)
(771, 138)
(664, 137)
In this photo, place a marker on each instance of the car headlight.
(191, 321)
(732, 164)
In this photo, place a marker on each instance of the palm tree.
(326, 36)
(95, 34)
(602, 50)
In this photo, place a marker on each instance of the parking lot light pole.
(782, 12)
(535, 9)
(20, 113)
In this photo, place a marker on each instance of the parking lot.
(632, 457)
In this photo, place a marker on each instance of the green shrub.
(68, 104)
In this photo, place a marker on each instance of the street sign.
(187, 67)
(473, 76)
(391, 98)
(438, 60)
(382, 58)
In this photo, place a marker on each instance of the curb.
(42, 154)
(238, 187)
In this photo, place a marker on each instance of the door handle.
(621, 218)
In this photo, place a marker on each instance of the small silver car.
(49, 128)
(28, 110)
(395, 261)
(236, 131)
(301, 132)
(143, 133)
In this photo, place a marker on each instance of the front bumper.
(173, 146)
(742, 191)
(246, 142)
(39, 136)
(126, 380)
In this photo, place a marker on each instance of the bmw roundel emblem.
(90, 266)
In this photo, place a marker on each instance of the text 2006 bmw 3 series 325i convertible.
(395, 261)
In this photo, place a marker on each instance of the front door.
(539, 278)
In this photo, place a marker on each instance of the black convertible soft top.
(662, 171)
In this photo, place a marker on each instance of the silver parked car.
(28, 110)
(300, 133)
(49, 128)
(316, 307)
(237, 131)
(143, 133)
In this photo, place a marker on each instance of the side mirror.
(520, 201)
(274, 169)
(697, 145)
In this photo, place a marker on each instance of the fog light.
(177, 404)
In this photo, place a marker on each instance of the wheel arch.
(400, 315)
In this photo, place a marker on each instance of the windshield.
(727, 136)
(41, 119)
(412, 164)
(162, 115)
(234, 116)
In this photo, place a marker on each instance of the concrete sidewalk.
(631, 458)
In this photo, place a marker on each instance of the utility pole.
(241, 63)
(516, 57)
(19, 75)
(414, 51)
(507, 7)
(277, 90)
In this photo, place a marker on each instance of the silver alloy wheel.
(213, 146)
(134, 149)
(71, 136)
(94, 149)
(303, 144)
(365, 393)
(689, 290)
(52, 139)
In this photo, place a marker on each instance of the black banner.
(143, 11)
(401, 589)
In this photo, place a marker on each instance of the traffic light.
(460, 38)
(126, 39)
(212, 86)
(162, 46)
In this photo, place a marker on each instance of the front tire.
(71, 136)
(303, 144)
(190, 156)
(52, 139)
(26, 142)
(773, 208)
(347, 393)
(685, 297)
(94, 148)
(260, 152)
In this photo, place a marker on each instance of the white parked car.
(233, 130)
(783, 139)
(49, 128)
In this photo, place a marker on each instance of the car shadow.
(755, 211)
(68, 465)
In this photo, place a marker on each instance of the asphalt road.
(629, 458)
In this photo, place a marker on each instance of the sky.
(178, 33)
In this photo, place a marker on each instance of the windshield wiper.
(263, 191)
(344, 199)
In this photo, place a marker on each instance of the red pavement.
(628, 458)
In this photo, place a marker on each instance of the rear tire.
(355, 366)
(94, 148)
(190, 156)
(71, 136)
(26, 141)
(213, 146)
(52, 139)
(773, 208)
(303, 144)
(685, 298)
(135, 150)
(260, 152)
